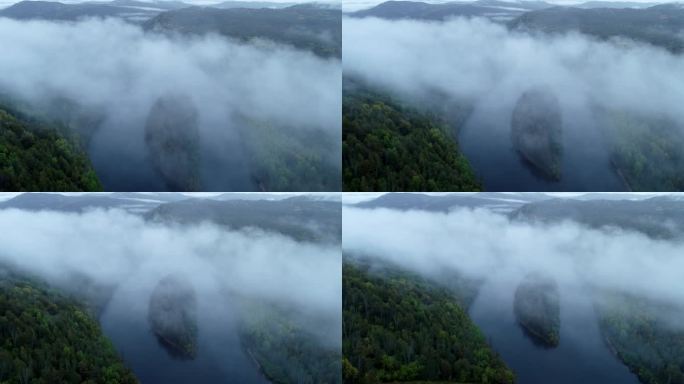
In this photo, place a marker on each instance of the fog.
(226, 268)
(482, 60)
(475, 71)
(484, 245)
(109, 74)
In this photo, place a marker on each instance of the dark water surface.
(485, 140)
(581, 356)
(220, 359)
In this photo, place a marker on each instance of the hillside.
(51, 10)
(494, 9)
(301, 218)
(282, 346)
(390, 147)
(647, 152)
(659, 25)
(35, 156)
(642, 338)
(403, 330)
(658, 217)
(304, 27)
(66, 343)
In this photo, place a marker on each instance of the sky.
(355, 5)
(5, 3)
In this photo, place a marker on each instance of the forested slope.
(390, 147)
(47, 338)
(285, 350)
(645, 335)
(35, 156)
(399, 329)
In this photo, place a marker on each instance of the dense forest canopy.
(404, 329)
(38, 156)
(391, 147)
(46, 337)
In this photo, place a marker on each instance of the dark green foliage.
(388, 147)
(35, 156)
(46, 338)
(285, 351)
(643, 334)
(647, 152)
(400, 329)
(537, 309)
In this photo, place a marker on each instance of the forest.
(403, 329)
(645, 341)
(387, 146)
(283, 348)
(648, 153)
(48, 338)
(37, 156)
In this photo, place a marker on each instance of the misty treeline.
(75, 265)
(165, 110)
(617, 95)
(639, 318)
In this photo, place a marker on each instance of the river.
(485, 140)
(581, 356)
(220, 358)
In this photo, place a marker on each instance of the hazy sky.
(5, 3)
(353, 5)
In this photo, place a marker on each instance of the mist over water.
(220, 356)
(481, 244)
(124, 257)
(105, 76)
(581, 356)
(486, 67)
(500, 252)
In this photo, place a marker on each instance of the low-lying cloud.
(482, 244)
(115, 72)
(478, 59)
(117, 249)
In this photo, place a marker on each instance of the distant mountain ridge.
(493, 9)
(303, 26)
(661, 25)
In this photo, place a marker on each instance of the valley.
(553, 284)
(169, 96)
(486, 59)
(217, 303)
